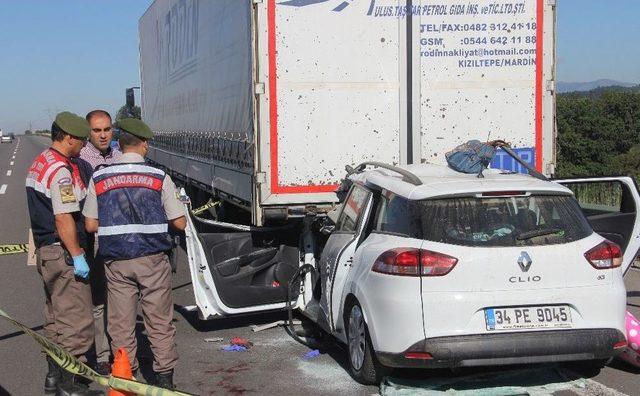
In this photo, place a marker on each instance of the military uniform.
(133, 203)
(54, 186)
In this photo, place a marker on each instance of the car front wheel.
(363, 364)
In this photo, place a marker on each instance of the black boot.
(52, 378)
(165, 380)
(71, 385)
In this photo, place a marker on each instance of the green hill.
(599, 132)
(602, 90)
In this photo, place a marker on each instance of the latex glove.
(80, 266)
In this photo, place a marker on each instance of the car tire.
(363, 365)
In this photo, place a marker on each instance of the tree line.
(599, 132)
(38, 132)
(123, 112)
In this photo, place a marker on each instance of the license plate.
(543, 317)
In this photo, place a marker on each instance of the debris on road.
(311, 354)
(241, 342)
(236, 344)
(214, 339)
(257, 328)
(234, 348)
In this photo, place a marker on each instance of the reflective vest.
(132, 220)
(38, 184)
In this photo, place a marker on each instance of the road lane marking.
(9, 172)
(3, 189)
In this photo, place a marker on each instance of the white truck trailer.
(262, 103)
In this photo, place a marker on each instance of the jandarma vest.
(38, 183)
(132, 220)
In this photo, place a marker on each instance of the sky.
(598, 39)
(58, 55)
(80, 55)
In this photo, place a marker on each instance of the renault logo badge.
(524, 261)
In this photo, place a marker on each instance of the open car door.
(611, 204)
(239, 272)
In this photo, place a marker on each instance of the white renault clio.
(434, 268)
(427, 267)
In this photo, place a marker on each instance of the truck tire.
(363, 365)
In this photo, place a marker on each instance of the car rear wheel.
(363, 365)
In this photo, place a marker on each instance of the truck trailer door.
(330, 78)
(484, 70)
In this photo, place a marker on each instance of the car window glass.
(602, 197)
(503, 221)
(352, 210)
(396, 216)
(381, 213)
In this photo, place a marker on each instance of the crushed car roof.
(442, 181)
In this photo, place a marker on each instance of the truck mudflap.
(211, 300)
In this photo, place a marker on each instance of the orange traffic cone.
(121, 368)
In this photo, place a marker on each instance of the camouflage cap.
(136, 127)
(73, 124)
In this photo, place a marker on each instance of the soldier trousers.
(68, 320)
(147, 279)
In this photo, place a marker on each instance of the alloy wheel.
(357, 338)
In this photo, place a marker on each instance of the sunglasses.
(98, 130)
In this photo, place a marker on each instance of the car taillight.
(402, 261)
(503, 193)
(414, 262)
(436, 264)
(605, 255)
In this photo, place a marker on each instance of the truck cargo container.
(262, 103)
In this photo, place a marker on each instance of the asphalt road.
(274, 365)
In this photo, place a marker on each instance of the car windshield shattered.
(503, 221)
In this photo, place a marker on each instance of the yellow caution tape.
(208, 205)
(14, 249)
(74, 366)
